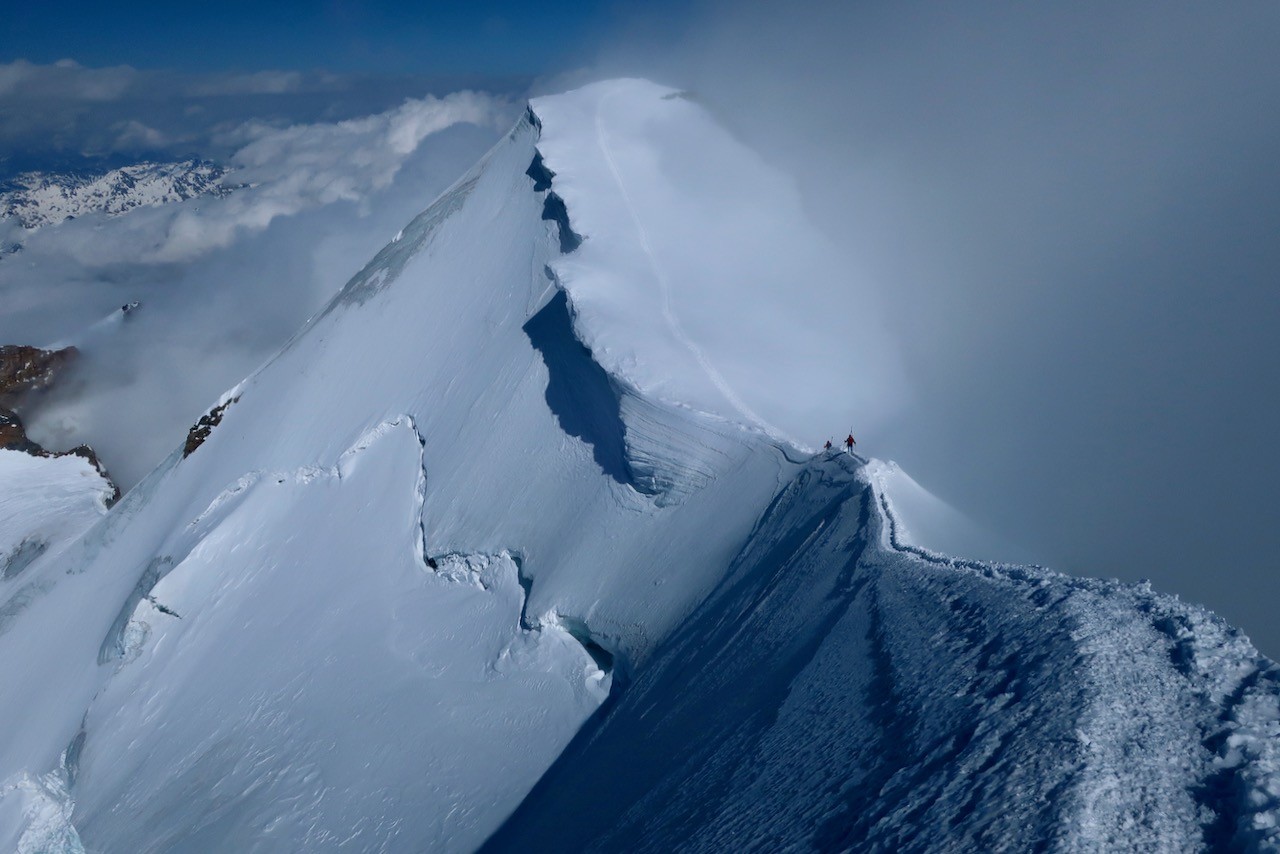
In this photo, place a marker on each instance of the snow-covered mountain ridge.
(517, 513)
(38, 199)
(843, 690)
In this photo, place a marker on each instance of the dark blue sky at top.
(505, 37)
(188, 72)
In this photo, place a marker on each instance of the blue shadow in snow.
(578, 390)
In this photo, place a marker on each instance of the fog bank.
(1070, 212)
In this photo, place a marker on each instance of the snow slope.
(530, 458)
(842, 690)
(927, 521)
(701, 282)
(520, 488)
(45, 502)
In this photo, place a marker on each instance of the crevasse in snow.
(513, 527)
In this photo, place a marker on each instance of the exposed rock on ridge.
(25, 370)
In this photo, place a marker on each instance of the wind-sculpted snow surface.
(390, 583)
(699, 279)
(467, 519)
(46, 501)
(416, 654)
(843, 691)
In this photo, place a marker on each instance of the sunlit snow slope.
(398, 574)
(701, 282)
(46, 501)
(519, 499)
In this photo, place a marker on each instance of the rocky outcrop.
(25, 370)
(13, 437)
(12, 434)
(202, 428)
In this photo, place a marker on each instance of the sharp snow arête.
(510, 546)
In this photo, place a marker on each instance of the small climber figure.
(827, 446)
(849, 443)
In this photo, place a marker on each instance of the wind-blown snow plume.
(310, 166)
(222, 282)
(68, 116)
(289, 170)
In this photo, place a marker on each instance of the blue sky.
(500, 38)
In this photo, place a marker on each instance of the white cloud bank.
(1069, 211)
(64, 113)
(223, 282)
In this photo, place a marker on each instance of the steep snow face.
(37, 199)
(927, 521)
(397, 574)
(343, 730)
(411, 555)
(700, 281)
(842, 690)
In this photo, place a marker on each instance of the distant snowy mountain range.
(510, 547)
(38, 199)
